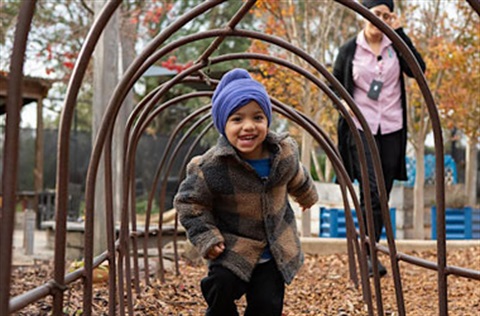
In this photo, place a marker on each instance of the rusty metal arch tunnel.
(118, 253)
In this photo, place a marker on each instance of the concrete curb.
(328, 246)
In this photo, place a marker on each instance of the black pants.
(264, 292)
(389, 147)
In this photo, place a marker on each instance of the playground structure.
(119, 250)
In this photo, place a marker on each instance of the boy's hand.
(215, 251)
(304, 208)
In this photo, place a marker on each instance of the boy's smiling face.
(246, 129)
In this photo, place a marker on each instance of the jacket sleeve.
(339, 69)
(418, 57)
(301, 186)
(193, 203)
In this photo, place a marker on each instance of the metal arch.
(130, 162)
(64, 141)
(475, 4)
(160, 167)
(10, 164)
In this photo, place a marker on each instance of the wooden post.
(29, 230)
(306, 215)
(39, 142)
(105, 79)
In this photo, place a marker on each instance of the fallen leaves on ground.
(322, 287)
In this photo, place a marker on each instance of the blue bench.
(333, 222)
(460, 223)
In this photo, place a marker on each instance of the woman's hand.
(394, 21)
(215, 251)
(347, 107)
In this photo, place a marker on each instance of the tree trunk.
(471, 173)
(418, 200)
(105, 79)
(317, 167)
(306, 216)
(328, 170)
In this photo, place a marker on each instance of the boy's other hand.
(215, 251)
(304, 208)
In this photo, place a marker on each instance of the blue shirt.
(262, 167)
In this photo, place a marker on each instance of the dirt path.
(321, 288)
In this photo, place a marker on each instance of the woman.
(371, 70)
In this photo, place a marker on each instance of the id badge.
(375, 89)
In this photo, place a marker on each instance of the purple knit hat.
(236, 89)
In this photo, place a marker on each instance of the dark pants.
(389, 147)
(264, 292)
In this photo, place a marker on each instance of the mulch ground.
(322, 287)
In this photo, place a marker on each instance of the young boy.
(234, 204)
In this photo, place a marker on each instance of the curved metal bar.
(279, 109)
(10, 160)
(185, 40)
(180, 176)
(275, 102)
(64, 144)
(351, 231)
(49, 287)
(475, 4)
(130, 161)
(124, 224)
(159, 53)
(174, 154)
(157, 175)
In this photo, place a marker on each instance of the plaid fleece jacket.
(222, 199)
